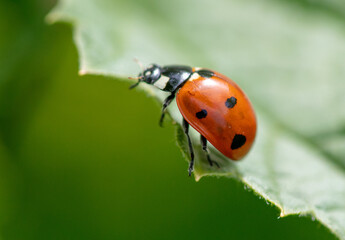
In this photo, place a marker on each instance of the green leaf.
(289, 59)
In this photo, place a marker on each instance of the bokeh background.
(84, 158)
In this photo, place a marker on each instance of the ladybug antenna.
(135, 84)
(139, 78)
(139, 63)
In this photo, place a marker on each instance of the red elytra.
(223, 121)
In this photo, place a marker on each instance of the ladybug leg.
(191, 164)
(204, 147)
(166, 103)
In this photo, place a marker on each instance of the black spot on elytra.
(230, 102)
(201, 114)
(238, 141)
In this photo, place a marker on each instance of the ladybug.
(211, 103)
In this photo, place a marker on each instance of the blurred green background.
(84, 157)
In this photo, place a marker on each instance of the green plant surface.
(288, 58)
(74, 158)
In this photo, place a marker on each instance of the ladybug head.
(149, 75)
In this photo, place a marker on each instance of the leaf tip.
(197, 177)
(51, 17)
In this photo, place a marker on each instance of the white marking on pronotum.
(194, 76)
(162, 82)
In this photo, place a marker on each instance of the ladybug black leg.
(166, 103)
(191, 164)
(204, 147)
